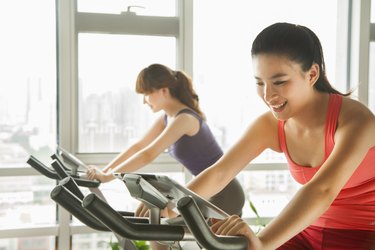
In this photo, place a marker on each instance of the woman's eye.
(279, 82)
(259, 83)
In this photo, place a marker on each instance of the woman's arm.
(261, 134)
(155, 130)
(181, 125)
(105, 174)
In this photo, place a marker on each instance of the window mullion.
(360, 48)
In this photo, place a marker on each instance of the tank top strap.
(191, 112)
(188, 111)
(282, 140)
(334, 106)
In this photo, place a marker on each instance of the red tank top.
(354, 207)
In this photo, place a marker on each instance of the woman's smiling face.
(281, 84)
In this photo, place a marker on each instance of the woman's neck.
(314, 115)
(174, 107)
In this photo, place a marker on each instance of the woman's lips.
(278, 107)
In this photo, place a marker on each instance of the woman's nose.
(269, 92)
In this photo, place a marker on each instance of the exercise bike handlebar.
(201, 231)
(73, 204)
(41, 168)
(68, 195)
(60, 174)
(135, 231)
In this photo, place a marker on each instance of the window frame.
(362, 32)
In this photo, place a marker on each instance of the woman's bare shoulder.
(357, 119)
(267, 119)
(267, 126)
(355, 111)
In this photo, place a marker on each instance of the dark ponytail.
(157, 76)
(185, 93)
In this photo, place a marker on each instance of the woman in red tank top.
(328, 140)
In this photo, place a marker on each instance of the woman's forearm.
(307, 206)
(132, 164)
(208, 183)
(135, 162)
(122, 157)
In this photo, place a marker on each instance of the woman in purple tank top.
(181, 129)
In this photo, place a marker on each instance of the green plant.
(140, 244)
(114, 245)
(258, 220)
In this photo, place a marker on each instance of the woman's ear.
(314, 73)
(165, 91)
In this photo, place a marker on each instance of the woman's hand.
(143, 211)
(94, 173)
(235, 226)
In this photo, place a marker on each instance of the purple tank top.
(196, 152)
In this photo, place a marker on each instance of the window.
(222, 61)
(112, 114)
(94, 241)
(25, 201)
(28, 243)
(371, 93)
(27, 122)
(28, 80)
(108, 54)
(224, 80)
